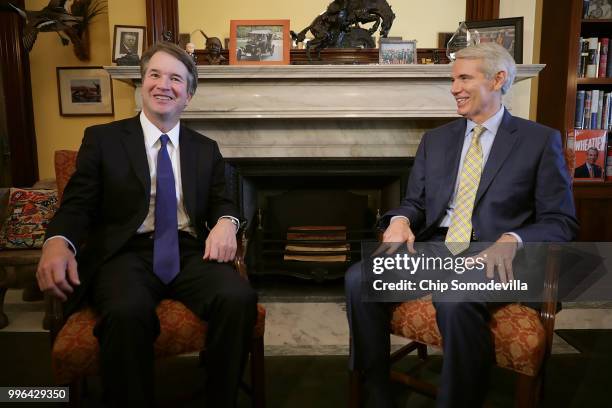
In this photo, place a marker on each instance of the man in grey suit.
(507, 185)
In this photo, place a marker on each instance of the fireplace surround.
(348, 132)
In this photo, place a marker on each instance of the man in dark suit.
(589, 169)
(507, 185)
(135, 214)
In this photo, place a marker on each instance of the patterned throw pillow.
(29, 212)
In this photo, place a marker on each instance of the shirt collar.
(492, 124)
(152, 133)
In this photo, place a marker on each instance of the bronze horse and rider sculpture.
(339, 26)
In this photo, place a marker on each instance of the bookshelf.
(562, 27)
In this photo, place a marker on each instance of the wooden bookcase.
(562, 27)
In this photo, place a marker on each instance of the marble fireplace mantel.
(319, 110)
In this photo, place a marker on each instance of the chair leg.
(76, 388)
(3, 317)
(527, 391)
(258, 380)
(422, 351)
(355, 389)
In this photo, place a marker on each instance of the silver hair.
(495, 58)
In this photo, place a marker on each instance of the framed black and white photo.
(397, 51)
(84, 91)
(128, 41)
(507, 32)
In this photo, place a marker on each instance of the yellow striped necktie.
(460, 229)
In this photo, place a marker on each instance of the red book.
(603, 58)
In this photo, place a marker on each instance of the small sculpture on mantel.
(213, 49)
(339, 26)
(190, 49)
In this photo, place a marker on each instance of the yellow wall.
(54, 132)
(414, 19)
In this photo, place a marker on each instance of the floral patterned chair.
(522, 338)
(75, 350)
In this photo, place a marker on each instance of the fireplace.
(296, 206)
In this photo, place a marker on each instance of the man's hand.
(57, 263)
(500, 255)
(398, 232)
(221, 242)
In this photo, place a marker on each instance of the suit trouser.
(125, 294)
(467, 345)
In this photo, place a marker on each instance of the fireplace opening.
(308, 217)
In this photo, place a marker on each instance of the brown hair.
(178, 53)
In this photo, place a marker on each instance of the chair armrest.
(242, 242)
(549, 300)
(54, 315)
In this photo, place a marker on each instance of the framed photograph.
(84, 91)
(443, 39)
(397, 51)
(597, 9)
(259, 42)
(128, 41)
(507, 32)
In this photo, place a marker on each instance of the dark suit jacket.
(583, 171)
(524, 188)
(107, 198)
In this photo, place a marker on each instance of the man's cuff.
(401, 217)
(518, 238)
(64, 238)
(234, 221)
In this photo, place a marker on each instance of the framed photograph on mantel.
(259, 42)
(84, 91)
(397, 51)
(507, 32)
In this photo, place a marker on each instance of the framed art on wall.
(507, 32)
(128, 40)
(259, 42)
(84, 91)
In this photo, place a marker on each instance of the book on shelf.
(609, 68)
(593, 109)
(609, 164)
(579, 116)
(591, 65)
(590, 147)
(316, 233)
(603, 58)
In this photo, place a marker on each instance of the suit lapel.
(502, 146)
(135, 146)
(189, 169)
(452, 156)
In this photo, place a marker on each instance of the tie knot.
(164, 139)
(478, 131)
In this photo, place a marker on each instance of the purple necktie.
(165, 246)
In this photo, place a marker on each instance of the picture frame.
(259, 42)
(397, 52)
(84, 91)
(507, 32)
(128, 41)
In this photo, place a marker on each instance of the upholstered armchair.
(74, 354)
(522, 338)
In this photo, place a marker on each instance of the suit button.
(474, 237)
